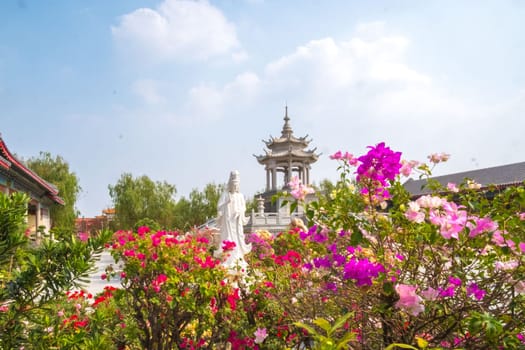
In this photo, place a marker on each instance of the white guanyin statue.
(230, 221)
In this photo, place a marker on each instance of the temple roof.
(287, 137)
(10, 163)
(298, 155)
(287, 145)
(502, 176)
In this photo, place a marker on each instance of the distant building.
(16, 177)
(500, 176)
(98, 223)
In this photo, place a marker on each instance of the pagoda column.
(307, 175)
(274, 179)
(267, 179)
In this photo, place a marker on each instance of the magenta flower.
(379, 164)
(454, 281)
(448, 292)
(83, 236)
(473, 289)
(409, 301)
(324, 262)
(362, 271)
(142, 230)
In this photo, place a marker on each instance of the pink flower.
(409, 301)
(522, 247)
(505, 265)
(4, 308)
(522, 216)
(498, 239)
(337, 155)
(454, 220)
(430, 294)
(438, 157)
(260, 335)
(452, 187)
(158, 282)
(298, 190)
(481, 225)
(103, 276)
(350, 159)
(414, 214)
(83, 236)
(407, 166)
(130, 253)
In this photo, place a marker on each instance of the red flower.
(228, 245)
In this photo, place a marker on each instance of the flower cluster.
(299, 190)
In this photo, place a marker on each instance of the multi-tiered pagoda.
(287, 155)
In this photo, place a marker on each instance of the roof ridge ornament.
(287, 129)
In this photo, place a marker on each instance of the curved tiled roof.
(504, 175)
(9, 162)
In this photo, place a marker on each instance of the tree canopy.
(138, 198)
(199, 207)
(56, 171)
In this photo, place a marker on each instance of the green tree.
(55, 170)
(139, 198)
(201, 206)
(33, 278)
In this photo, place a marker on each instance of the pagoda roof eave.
(275, 141)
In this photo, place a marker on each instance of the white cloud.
(367, 73)
(353, 93)
(211, 102)
(177, 29)
(148, 90)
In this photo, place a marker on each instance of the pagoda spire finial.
(287, 129)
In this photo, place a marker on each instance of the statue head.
(234, 182)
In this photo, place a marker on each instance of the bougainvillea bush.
(444, 270)
(373, 269)
(175, 292)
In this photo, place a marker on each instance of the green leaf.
(350, 336)
(341, 321)
(402, 346)
(309, 329)
(324, 324)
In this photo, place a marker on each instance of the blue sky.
(184, 91)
